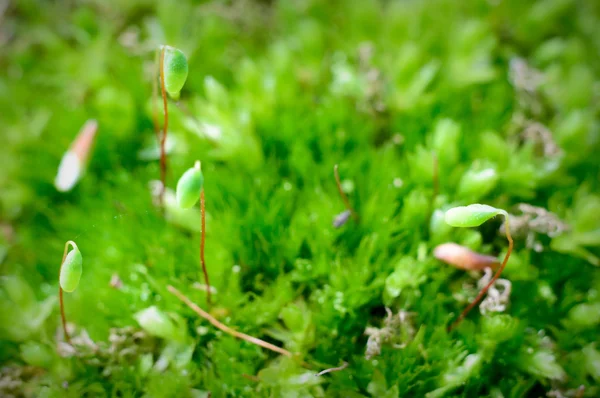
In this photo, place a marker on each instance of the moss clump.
(425, 106)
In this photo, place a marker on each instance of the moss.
(424, 105)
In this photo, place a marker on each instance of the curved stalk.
(336, 173)
(225, 328)
(331, 370)
(202, 239)
(163, 139)
(483, 291)
(60, 292)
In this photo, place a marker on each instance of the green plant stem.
(483, 291)
(60, 292)
(202, 239)
(163, 139)
(336, 173)
(224, 327)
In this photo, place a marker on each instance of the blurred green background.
(503, 95)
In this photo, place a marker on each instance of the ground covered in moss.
(424, 106)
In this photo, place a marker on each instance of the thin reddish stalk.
(342, 194)
(226, 328)
(202, 239)
(486, 288)
(163, 139)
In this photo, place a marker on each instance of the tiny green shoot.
(473, 216)
(69, 275)
(190, 187)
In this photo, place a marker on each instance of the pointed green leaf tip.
(472, 215)
(175, 71)
(189, 187)
(70, 271)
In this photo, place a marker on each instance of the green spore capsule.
(472, 215)
(70, 271)
(175, 70)
(189, 187)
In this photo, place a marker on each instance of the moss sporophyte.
(190, 187)
(69, 276)
(73, 163)
(473, 216)
(173, 72)
(277, 95)
(463, 257)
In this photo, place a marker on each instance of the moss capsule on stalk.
(473, 216)
(69, 276)
(190, 187)
(173, 71)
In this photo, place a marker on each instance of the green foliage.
(157, 323)
(425, 106)
(36, 354)
(22, 316)
(477, 182)
(584, 315)
(499, 328)
(541, 363)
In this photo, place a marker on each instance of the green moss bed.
(424, 105)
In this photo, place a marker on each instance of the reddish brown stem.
(486, 288)
(336, 173)
(60, 296)
(202, 239)
(226, 328)
(163, 139)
